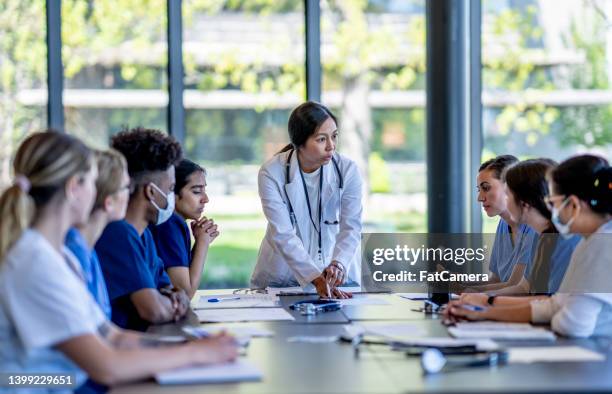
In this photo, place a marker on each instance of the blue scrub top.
(129, 263)
(559, 261)
(91, 268)
(173, 242)
(505, 255)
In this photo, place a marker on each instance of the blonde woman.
(48, 320)
(113, 186)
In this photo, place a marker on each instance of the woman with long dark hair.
(311, 197)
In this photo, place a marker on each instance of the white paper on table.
(239, 331)
(362, 300)
(243, 314)
(239, 371)
(494, 325)
(244, 301)
(521, 334)
(552, 354)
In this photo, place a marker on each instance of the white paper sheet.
(239, 331)
(238, 371)
(553, 354)
(493, 325)
(243, 314)
(238, 301)
(520, 334)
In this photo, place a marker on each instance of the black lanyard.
(318, 230)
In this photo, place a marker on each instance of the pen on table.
(223, 299)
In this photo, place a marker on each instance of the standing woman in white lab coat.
(311, 197)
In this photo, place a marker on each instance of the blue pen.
(222, 299)
(474, 308)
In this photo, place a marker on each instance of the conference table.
(334, 367)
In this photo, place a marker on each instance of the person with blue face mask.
(139, 288)
(580, 199)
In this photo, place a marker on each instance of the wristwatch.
(491, 299)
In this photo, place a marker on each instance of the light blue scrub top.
(505, 255)
(559, 261)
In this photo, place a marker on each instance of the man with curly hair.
(139, 288)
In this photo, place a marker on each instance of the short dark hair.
(147, 150)
(587, 177)
(304, 121)
(184, 169)
(498, 164)
(527, 181)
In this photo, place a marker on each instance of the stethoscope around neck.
(291, 211)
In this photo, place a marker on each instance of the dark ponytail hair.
(527, 181)
(304, 121)
(587, 177)
(183, 171)
(498, 164)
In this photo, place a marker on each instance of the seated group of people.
(97, 245)
(552, 252)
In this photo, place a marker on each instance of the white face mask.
(163, 214)
(562, 228)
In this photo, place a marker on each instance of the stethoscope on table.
(292, 213)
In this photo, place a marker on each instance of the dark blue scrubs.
(173, 242)
(129, 263)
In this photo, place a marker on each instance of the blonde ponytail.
(16, 211)
(44, 162)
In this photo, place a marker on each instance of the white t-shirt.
(583, 305)
(312, 185)
(43, 302)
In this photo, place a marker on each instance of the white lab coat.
(283, 260)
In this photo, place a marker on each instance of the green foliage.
(589, 126)
(513, 70)
(380, 179)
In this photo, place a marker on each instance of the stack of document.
(502, 331)
(239, 371)
(553, 354)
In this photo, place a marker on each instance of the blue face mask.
(163, 214)
(562, 228)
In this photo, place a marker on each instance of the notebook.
(243, 314)
(239, 371)
(227, 301)
(501, 331)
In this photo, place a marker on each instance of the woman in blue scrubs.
(184, 263)
(513, 244)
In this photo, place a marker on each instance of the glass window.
(373, 56)
(244, 72)
(115, 57)
(23, 76)
(546, 78)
